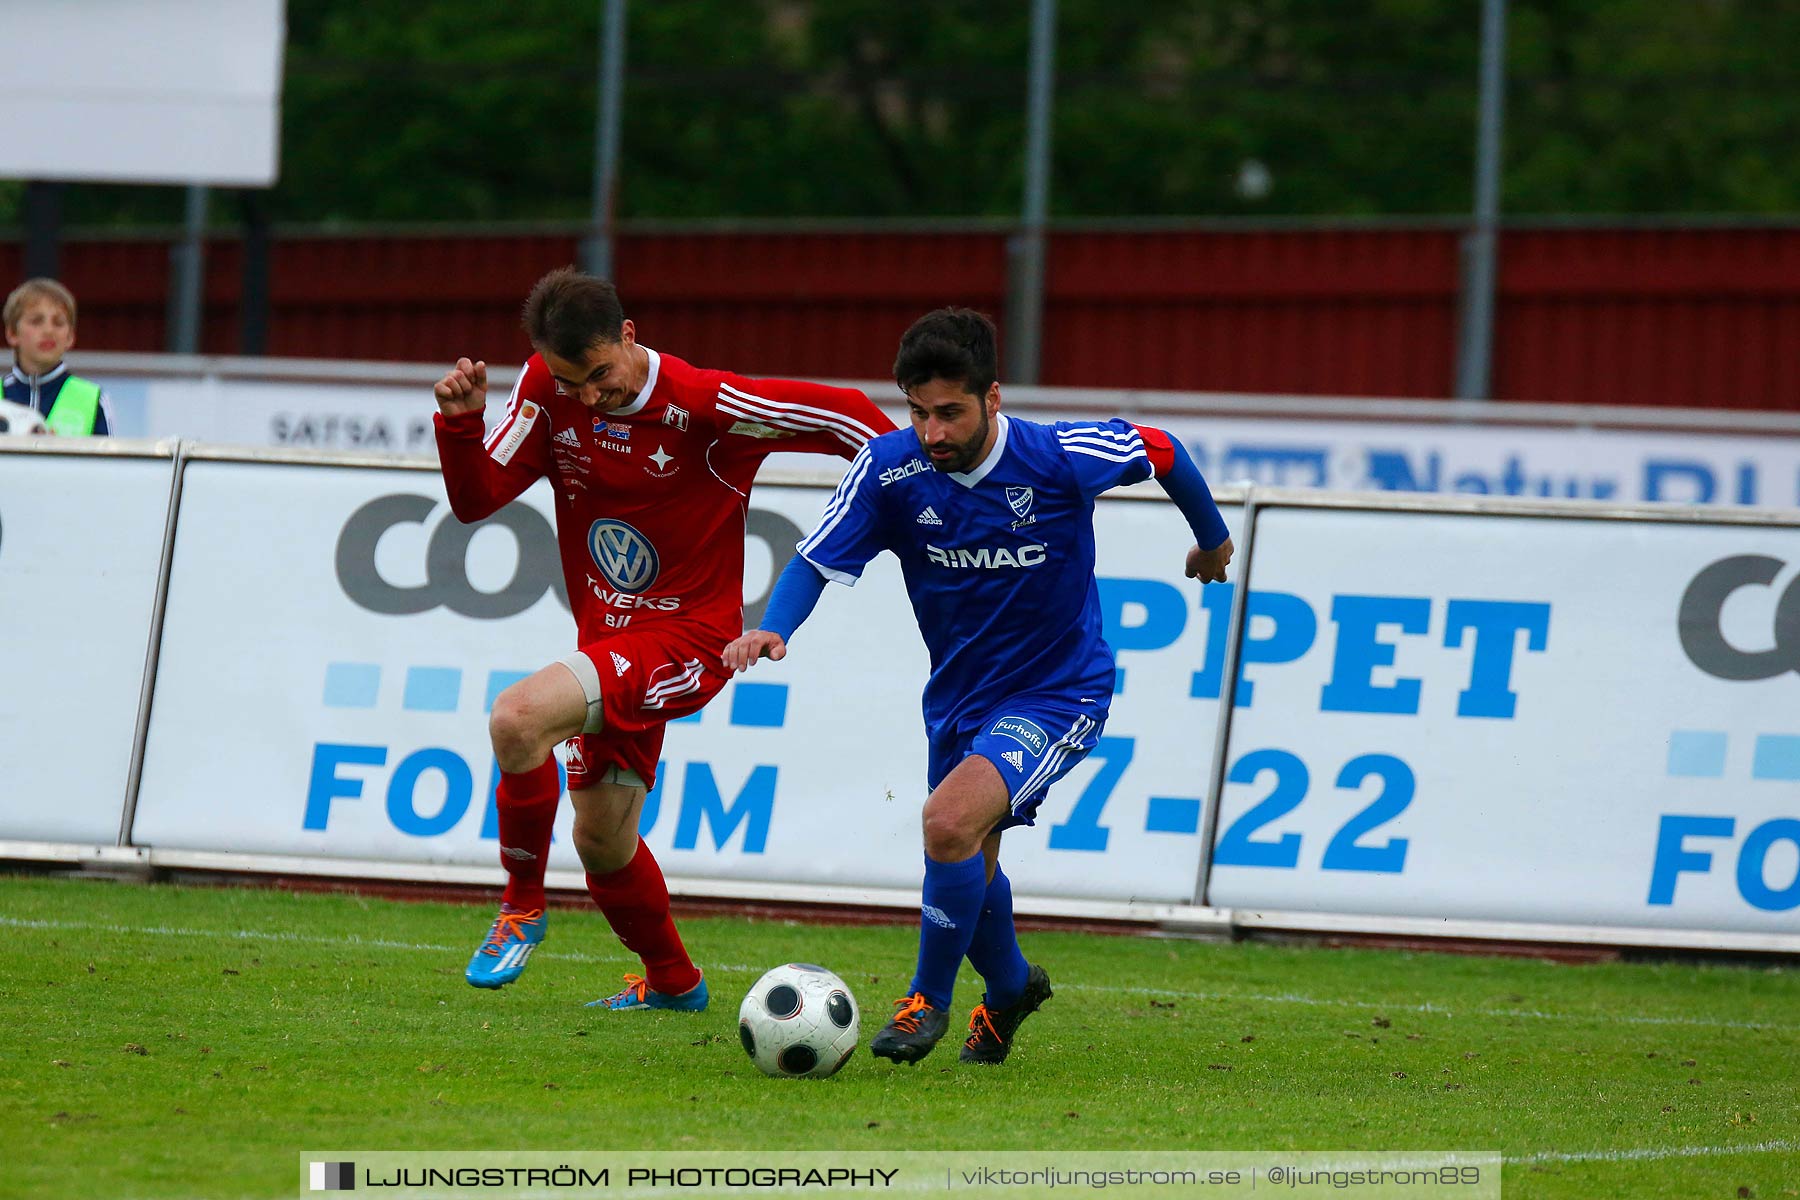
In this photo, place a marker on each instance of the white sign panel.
(144, 91)
(80, 545)
(1517, 718)
(344, 714)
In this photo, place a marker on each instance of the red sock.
(635, 900)
(526, 804)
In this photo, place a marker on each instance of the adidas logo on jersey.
(568, 437)
(621, 664)
(1016, 758)
(937, 916)
(929, 517)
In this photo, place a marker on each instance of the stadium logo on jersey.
(986, 557)
(757, 429)
(913, 466)
(1020, 499)
(929, 517)
(1027, 733)
(676, 416)
(1016, 758)
(568, 437)
(624, 555)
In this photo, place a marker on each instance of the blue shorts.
(1033, 741)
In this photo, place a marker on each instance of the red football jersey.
(651, 498)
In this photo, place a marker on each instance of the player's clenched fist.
(463, 389)
(1208, 566)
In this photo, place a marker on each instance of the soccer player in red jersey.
(652, 461)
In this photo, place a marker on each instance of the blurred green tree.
(463, 111)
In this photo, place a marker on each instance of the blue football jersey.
(999, 562)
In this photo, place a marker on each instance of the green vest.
(76, 406)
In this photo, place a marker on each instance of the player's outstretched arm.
(790, 603)
(1181, 479)
(463, 388)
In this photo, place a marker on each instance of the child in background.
(40, 328)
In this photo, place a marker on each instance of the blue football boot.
(502, 957)
(637, 994)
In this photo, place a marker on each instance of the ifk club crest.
(1020, 499)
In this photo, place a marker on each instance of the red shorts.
(647, 679)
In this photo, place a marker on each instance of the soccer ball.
(20, 418)
(798, 1020)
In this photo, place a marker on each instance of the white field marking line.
(1435, 1010)
(1654, 1152)
(354, 940)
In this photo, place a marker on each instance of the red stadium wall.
(1688, 317)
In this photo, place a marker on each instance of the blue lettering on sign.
(459, 786)
(1396, 471)
(700, 801)
(1679, 479)
(1278, 466)
(1392, 471)
(1238, 847)
(1360, 650)
(1686, 479)
(1083, 831)
(326, 785)
(1278, 628)
(1163, 608)
(1281, 627)
(1673, 858)
(1496, 624)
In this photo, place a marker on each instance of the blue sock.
(995, 950)
(949, 909)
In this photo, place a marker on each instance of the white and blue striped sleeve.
(1104, 454)
(848, 534)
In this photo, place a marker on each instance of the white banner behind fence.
(1517, 718)
(1315, 442)
(80, 545)
(336, 707)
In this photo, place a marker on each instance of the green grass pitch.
(165, 1041)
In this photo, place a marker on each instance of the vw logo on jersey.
(1020, 499)
(624, 555)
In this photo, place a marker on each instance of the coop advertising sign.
(335, 639)
(1517, 718)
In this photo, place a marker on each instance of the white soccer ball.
(799, 1020)
(20, 418)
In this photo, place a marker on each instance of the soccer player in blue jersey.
(992, 520)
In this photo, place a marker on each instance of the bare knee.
(604, 849)
(948, 836)
(520, 733)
